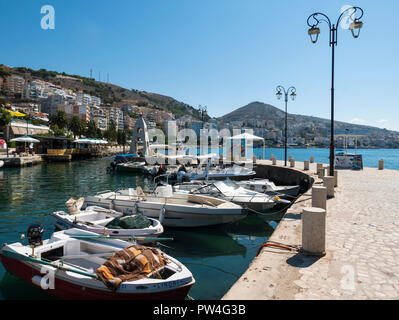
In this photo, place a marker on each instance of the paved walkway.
(362, 245)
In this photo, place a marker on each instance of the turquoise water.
(217, 256)
(370, 156)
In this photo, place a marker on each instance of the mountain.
(108, 92)
(255, 110)
(260, 115)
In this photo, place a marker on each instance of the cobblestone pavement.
(362, 245)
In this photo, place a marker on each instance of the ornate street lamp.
(314, 32)
(292, 93)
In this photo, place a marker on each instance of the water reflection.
(217, 256)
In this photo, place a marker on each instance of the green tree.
(91, 131)
(77, 126)
(59, 119)
(111, 133)
(122, 137)
(5, 117)
(57, 131)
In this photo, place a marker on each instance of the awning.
(90, 141)
(22, 128)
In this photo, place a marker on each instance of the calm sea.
(217, 256)
(370, 156)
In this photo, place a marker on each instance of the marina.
(204, 251)
(191, 152)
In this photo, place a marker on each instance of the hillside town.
(40, 99)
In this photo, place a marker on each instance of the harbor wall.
(284, 176)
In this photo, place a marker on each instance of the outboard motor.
(34, 235)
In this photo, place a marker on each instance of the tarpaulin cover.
(130, 222)
(132, 263)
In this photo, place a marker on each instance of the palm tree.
(77, 126)
(59, 119)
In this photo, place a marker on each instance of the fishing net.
(130, 222)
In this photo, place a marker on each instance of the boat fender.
(162, 214)
(43, 282)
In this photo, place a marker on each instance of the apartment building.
(14, 84)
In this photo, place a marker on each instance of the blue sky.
(219, 53)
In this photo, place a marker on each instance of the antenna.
(99, 75)
(107, 77)
(91, 73)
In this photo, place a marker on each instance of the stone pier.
(362, 245)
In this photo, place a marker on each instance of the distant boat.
(217, 172)
(137, 167)
(1, 163)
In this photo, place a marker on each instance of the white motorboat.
(231, 191)
(109, 222)
(268, 187)
(172, 209)
(234, 172)
(72, 264)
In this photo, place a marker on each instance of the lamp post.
(314, 32)
(292, 93)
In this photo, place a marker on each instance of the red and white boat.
(64, 267)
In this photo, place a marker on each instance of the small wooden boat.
(103, 221)
(70, 265)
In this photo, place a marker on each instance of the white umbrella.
(25, 139)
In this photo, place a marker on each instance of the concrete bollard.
(254, 158)
(306, 165)
(318, 166)
(328, 182)
(314, 231)
(319, 197)
(311, 159)
(274, 161)
(292, 162)
(381, 164)
(320, 173)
